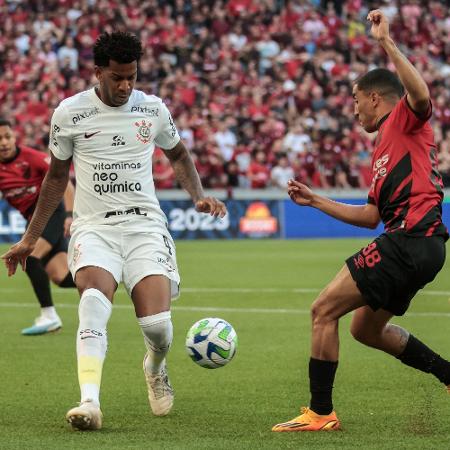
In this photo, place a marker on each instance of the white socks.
(158, 333)
(94, 312)
(49, 312)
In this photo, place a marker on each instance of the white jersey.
(112, 150)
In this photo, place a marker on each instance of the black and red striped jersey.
(406, 185)
(21, 179)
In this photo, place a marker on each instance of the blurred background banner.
(12, 224)
(251, 215)
(259, 218)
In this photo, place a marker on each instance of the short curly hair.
(119, 46)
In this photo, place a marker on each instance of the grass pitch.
(263, 288)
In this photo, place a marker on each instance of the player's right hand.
(211, 205)
(380, 24)
(18, 253)
(300, 193)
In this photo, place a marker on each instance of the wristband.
(69, 214)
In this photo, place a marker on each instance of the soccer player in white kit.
(119, 232)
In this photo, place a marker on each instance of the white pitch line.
(209, 309)
(196, 290)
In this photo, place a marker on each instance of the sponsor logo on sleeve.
(55, 130)
(173, 129)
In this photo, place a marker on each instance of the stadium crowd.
(260, 90)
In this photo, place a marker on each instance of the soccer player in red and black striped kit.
(379, 281)
(22, 171)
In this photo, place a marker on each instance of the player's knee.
(320, 313)
(107, 291)
(94, 309)
(157, 330)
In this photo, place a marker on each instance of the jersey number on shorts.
(371, 255)
(368, 256)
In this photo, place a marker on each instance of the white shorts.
(129, 256)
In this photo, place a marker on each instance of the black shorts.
(391, 269)
(54, 233)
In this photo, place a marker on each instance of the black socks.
(39, 280)
(67, 282)
(321, 379)
(419, 356)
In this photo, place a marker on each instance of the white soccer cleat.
(160, 392)
(43, 325)
(87, 416)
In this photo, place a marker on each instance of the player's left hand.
(67, 223)
(18, 253)
(212, 206)
(380, 24)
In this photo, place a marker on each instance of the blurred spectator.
(258, 172)
(282, 172)
(163, 174)
(69, 53)
(225, 139)
(296, 141)
(240, 76)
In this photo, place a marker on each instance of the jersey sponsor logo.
(106, 183)
(117, 141)
(117, 166)
(143, 131)
(89, 135)
(19, 192)
(55, 130)
(379, 168)
(137, 211)
(85, 114)
(152, 112)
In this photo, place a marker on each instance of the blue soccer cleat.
(43, 325)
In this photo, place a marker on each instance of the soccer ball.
(211, 342)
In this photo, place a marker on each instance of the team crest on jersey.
(143, 131)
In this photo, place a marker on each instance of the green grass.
(382, 404)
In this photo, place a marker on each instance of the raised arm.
(366, 216)
(187, 175)
(418, 95)
(52, 191)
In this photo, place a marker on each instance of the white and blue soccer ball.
(211, 342)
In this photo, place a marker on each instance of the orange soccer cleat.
(310, 421)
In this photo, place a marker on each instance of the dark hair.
(119, 46)
(5, 123)
(382, 81)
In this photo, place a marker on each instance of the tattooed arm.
(187, 175)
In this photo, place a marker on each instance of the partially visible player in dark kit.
(379, 281)
(22, 171)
